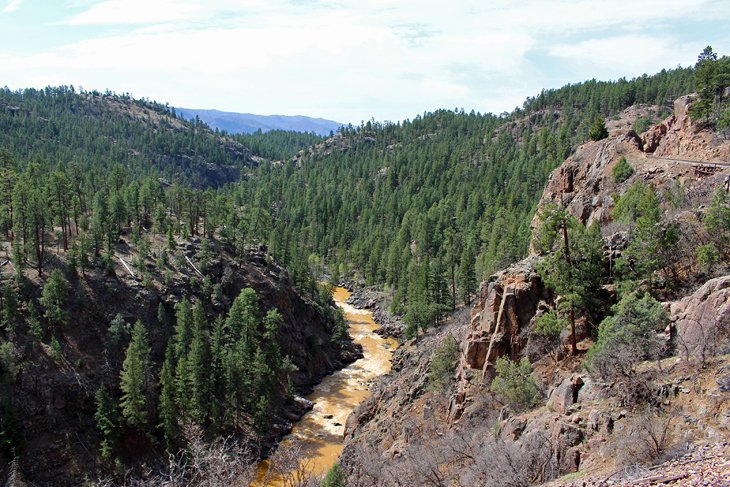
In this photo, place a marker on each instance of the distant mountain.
(246, 123)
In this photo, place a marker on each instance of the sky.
(348, 60)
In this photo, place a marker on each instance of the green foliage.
(134, 379)
(177, 149)
(628, 206)
(651, 243)
(717, 220)
(642, 124)
(9, 366)
(622, 171)
(598, 130)
(674, 195)
(712, 77)
(107, 422)
(335, 477)
(578, 275)
(34, 322)
(118, 333)
(549, 324)
(341, 330)
(56, 352)
(514, 382)
(225, 376)
(627, 337)
(707, 256)
(443, 363)
(278, 145)
(54, 297)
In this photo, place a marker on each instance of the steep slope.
(410, 432)
(51, 372)
(430, 206)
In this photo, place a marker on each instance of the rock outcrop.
(505, 305)
(702, 320)
(584, 185)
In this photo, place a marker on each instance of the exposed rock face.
(505, 305)
(566, 394)
(702, 320)
(583, 184)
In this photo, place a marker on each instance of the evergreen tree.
(467, 275)
(54, 297)
(134, 379)
(168, 411)
(107, 422)
(598, 130)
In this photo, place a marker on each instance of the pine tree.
(134, 379)
(467, 275)
(107, 422)
(183, 327)
(54, 297)
(598, 130)
(168, 411)
(198, 367)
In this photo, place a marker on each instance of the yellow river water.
(318, 435)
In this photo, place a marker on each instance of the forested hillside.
(135, 297)
(431, 206)
(96, 132)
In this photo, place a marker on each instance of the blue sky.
(348, 60)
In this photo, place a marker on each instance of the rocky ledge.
(373, 298)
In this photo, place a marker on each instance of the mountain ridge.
(247, 123)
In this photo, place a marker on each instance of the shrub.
(642, 124)
(443, 363)
(549, 324)
(515, 383)
(707, 256)
(622, 171)
(625, 339)
(598, 130)
(335, 477)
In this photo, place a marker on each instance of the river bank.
(317, 438)
(377, 301)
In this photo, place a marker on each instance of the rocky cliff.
(462, 435)
(673, 150)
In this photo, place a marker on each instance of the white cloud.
(12, 6)
(353, 59)
(629, 54)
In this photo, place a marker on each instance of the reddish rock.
(702, 320)
(505, 306)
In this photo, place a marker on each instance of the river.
(317, 437)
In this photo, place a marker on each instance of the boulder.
(566, 394)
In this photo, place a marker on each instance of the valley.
(553, 284)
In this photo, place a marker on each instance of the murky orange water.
(318, 435)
